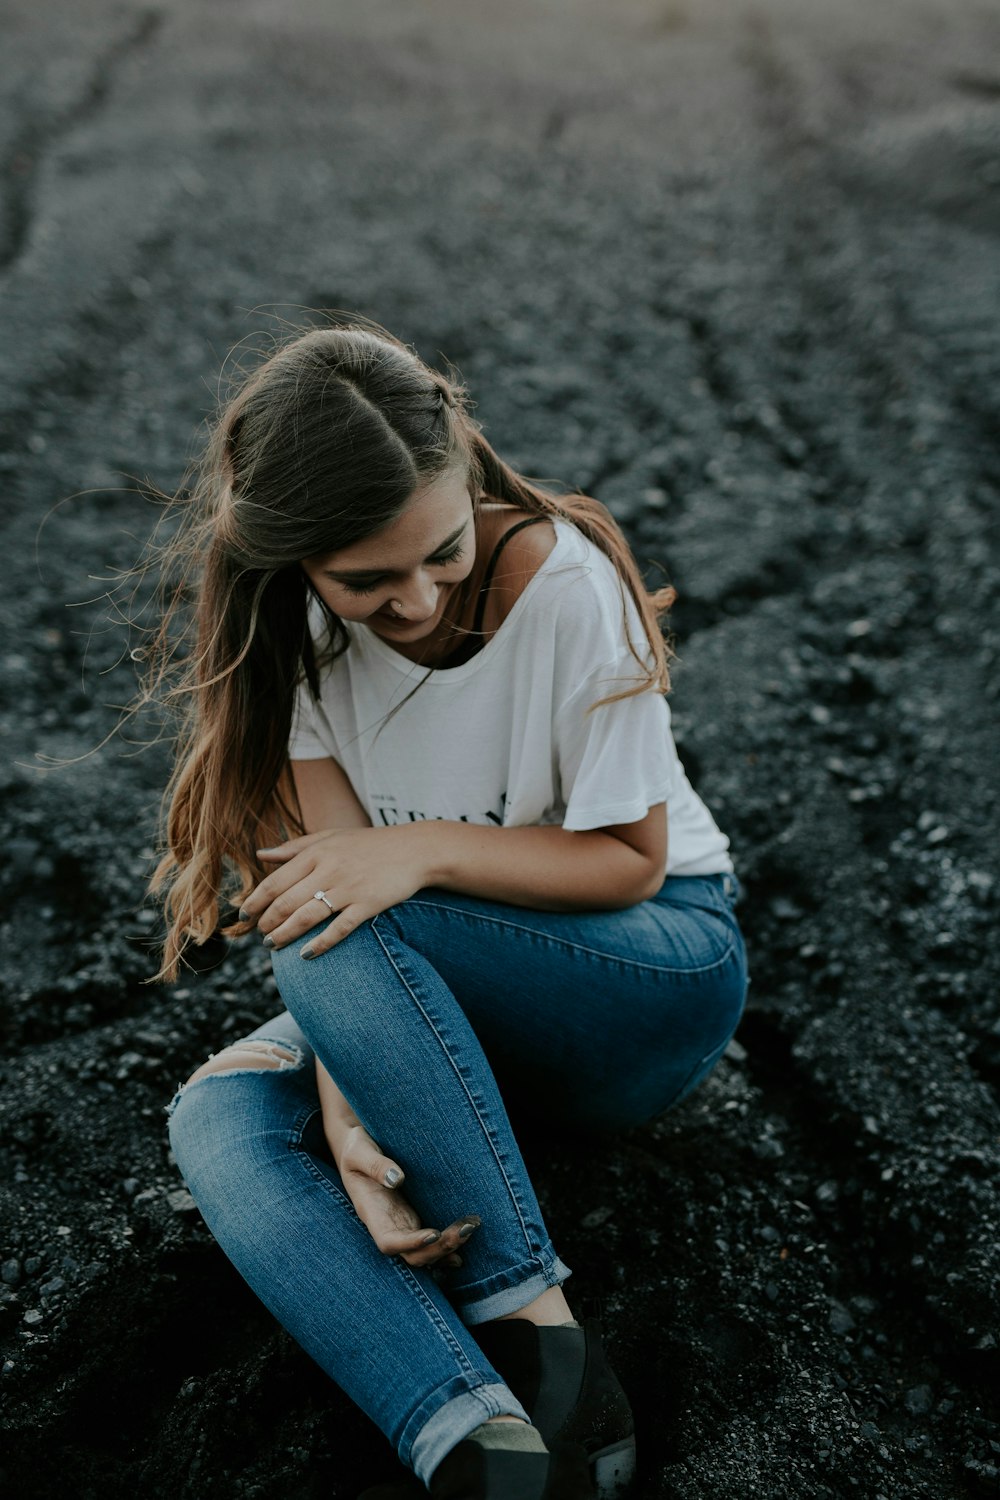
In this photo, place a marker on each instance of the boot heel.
(614, 1469)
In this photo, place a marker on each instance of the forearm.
(550, 868)
(339, 1118)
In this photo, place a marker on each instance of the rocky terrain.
(733, 269)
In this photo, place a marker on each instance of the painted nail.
(273, 850)
(269, 941)
(429, 1239)
(454, 1260)
(393, 1176)
(244, 915)
(308, 953)
(466, 1230)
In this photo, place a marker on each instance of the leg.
(247, 1135)
(608, 1017)
(398, 1045)
(595, 1021)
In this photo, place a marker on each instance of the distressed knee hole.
(253, 1055)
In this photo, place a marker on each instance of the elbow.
(652, 881)
(640, 884)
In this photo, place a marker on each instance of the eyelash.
(440, 561)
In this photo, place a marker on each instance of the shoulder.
(580, 597)
(523, 550)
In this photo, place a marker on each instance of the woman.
(426, 750)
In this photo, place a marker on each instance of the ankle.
(510, 1433)
(547, 1311)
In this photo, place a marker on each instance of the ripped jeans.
(596, 1021)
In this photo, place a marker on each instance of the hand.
(371, 1181)
(362, 871)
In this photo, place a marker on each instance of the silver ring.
(322, 896)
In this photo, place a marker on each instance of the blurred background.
(732, 268)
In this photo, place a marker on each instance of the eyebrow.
(355, 573)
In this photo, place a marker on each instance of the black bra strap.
(477, 623)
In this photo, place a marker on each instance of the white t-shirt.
(505, 738)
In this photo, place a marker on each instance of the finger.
(342, 926)
(295, 912)
(416, 1246)
(431, 1258)
(453, 1239)
(290, 847)
(275, 885)
(385, 1171)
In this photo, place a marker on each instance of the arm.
(365, 871)
(551, 869)
(326, 797)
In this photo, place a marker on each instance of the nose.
(418, 598)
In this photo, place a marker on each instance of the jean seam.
(483, 1124)
(547, 937)
(401, 1269)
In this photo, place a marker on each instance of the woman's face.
(417, 562)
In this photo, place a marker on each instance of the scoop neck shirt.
(505, 737)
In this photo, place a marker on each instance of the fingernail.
(272, 850)
(269, 941)
(244, 915)
(453, 1260)
(309, 952)
(393, 1176)
(466, 1230)
(429, 1239)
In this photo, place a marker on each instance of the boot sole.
(613, 1469)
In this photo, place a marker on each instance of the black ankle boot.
(563, 1380)
(472, 1472)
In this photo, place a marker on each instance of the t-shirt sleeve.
(307, 741)
(618, 761)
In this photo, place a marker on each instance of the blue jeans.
(597, 1020)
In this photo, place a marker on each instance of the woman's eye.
(449, 557)
(442, 558)
(361, 588)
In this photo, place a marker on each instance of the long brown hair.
(323, 444)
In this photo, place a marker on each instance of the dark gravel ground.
(732, 268)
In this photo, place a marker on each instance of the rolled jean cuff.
(508, 1291)
(454, 1421)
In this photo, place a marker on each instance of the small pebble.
(596, 1218)
(919, 1400)
(840, 1319)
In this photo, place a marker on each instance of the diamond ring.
(322, 896)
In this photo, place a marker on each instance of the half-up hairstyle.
(322, 445)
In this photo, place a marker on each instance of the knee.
(344, 971)
(203, 1113)
(253, 1054)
